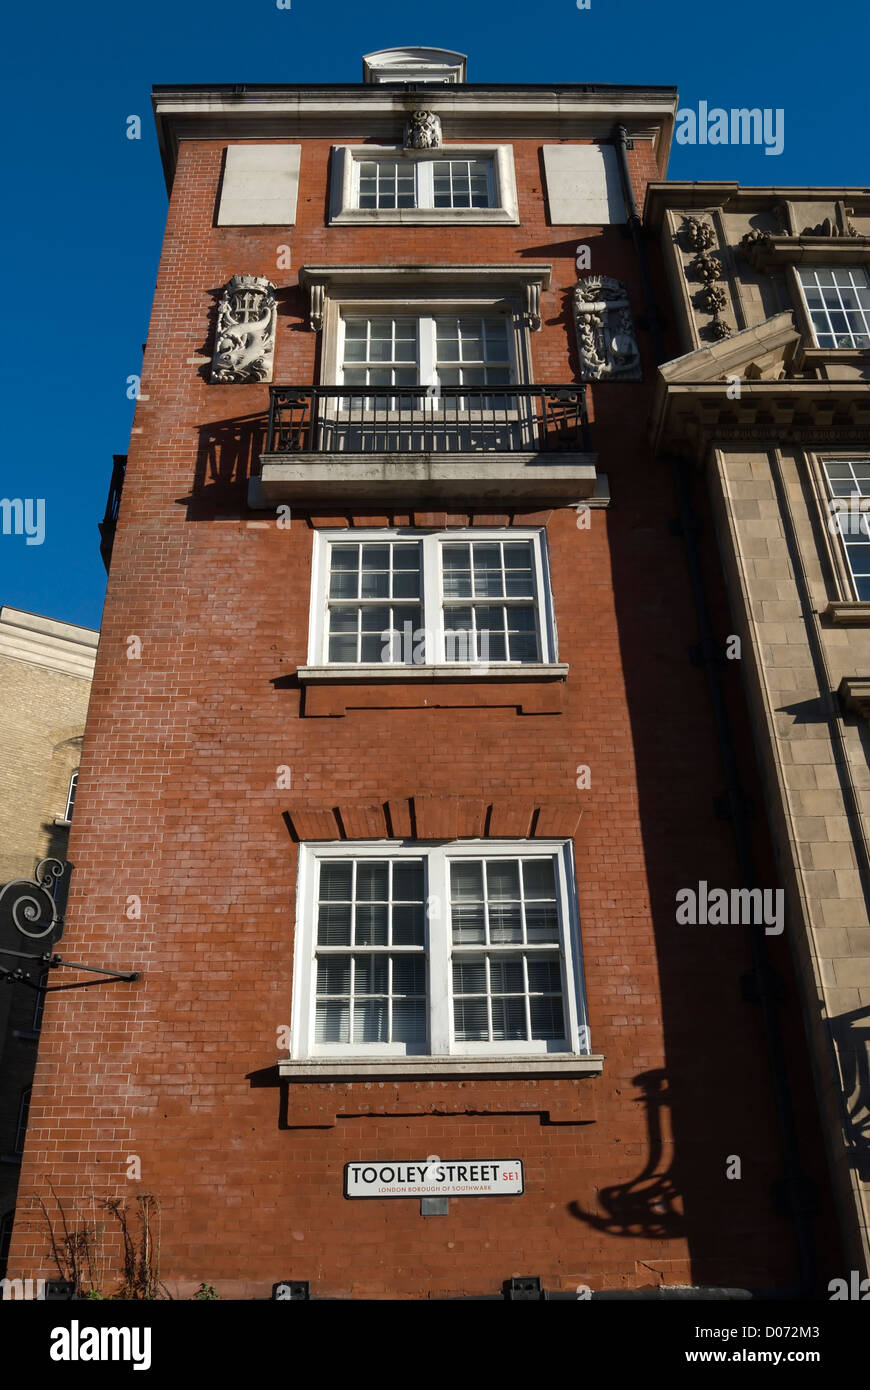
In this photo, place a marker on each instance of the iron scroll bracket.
(52, 962)
(30, 907)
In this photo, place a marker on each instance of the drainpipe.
(654, 323)
(795, 1186)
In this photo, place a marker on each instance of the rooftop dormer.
(437, 65)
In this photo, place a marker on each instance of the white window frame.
(849, 521)
(23, 1119)
(814, 331)
(71, 795)
(439, 950)
(427, 345)
(344, 195)
(481, 290)
(432, 597)
(424, 180)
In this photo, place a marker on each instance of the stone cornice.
(731, 196)
(770, 252)
(688, 417)
(44, 642)
(572, 112)
(466, 273)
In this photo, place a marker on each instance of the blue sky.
(85, 206)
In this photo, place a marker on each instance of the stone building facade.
(397, 758)
(771, 401)
(46, 669)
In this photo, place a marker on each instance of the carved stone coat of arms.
(245, 337)
(605, 331)
(423, 131)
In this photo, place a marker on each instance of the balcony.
(110, 520)
(517, 444)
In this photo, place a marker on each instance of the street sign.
(435, 1177)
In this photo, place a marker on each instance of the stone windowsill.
(440, 1068)
(419, 217)
(452, 671)
(847, 613)
(809, 357)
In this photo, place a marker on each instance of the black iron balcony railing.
(113, 501)
(407, 419)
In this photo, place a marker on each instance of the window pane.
(344, 584)
(496, 339)
(545, 976)
(409, 1020)
(487, 571)
(542, 922)
(466, 879)
(336, 879)
(506, 975)
(469, 976)
(471, 1022)
(469, 924)
(342, 649)
(456, 571)
(548, 1020)
(333, 975)
(523, 647)
(503, 879)
(332, 1024)
(372, 975)
(408, 975)
(408, 881)
(539, 879)
(371, 924)
(333, 924)
(509, 1020)
(408, 924)
(371, 882)
(371, 1021)
(344, 619)
(505, 922)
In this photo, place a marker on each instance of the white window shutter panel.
(260, 186)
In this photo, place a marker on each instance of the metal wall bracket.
(525, 1288)
(434, 1206)
(295, 1290)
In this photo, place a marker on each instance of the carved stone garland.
(605, 331)
(245, 338)
(708, 269)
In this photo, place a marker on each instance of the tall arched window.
(71, 795)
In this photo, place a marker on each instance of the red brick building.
(397, 755)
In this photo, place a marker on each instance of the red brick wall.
(177, 804)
